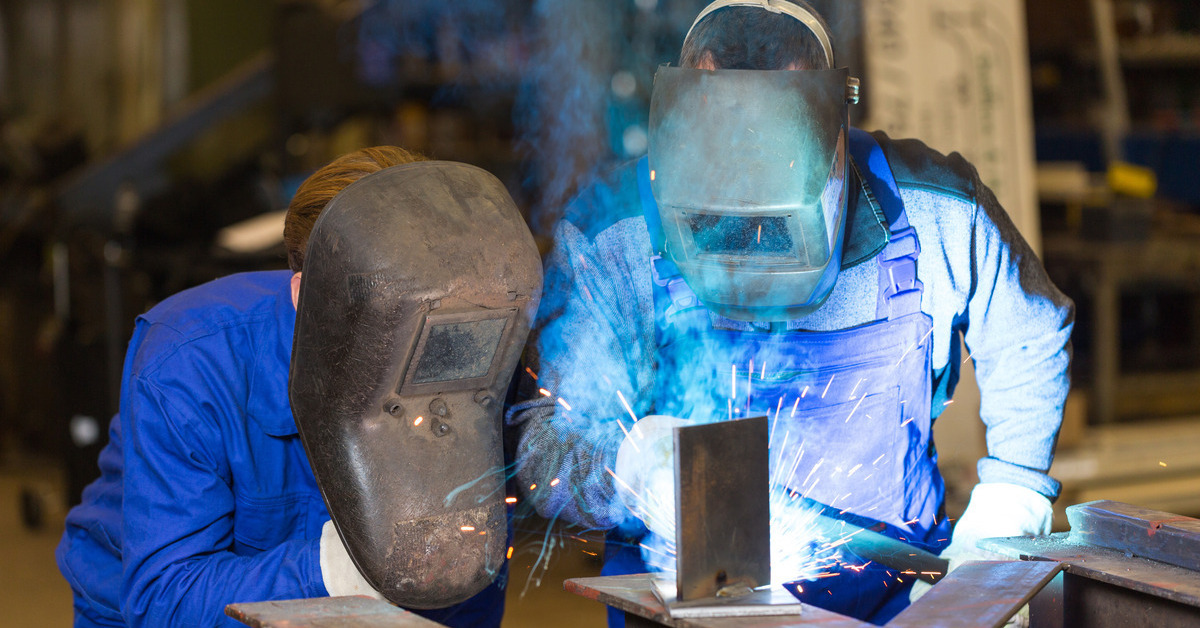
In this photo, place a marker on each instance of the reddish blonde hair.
(324, 184)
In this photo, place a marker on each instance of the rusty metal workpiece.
(326, 612)
(1108, 587)
(983, 593)
(634, 595)
(977, 594)
(1140, 531)
(723, 520)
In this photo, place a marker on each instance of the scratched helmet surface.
(749, 170)
(419, 286)
(749, 175)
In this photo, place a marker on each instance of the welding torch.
(874, 546)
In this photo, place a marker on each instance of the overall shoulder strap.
(873, 166)
(899, 289)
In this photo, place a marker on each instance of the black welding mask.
(748, 169)
(417, 293)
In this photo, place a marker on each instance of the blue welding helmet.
(748, 168)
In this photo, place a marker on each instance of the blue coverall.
(206, 496)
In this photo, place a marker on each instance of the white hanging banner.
(955, 75)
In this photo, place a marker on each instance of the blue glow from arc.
(557, 58)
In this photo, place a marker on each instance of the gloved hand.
(646, 472)
(995, 510)
(337, 569)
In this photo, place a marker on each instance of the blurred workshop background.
(150, 145)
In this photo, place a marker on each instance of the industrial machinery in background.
(133, 153)
(100, 218)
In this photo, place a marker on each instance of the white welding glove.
(337, 568)
(995, 510)
(646, 472)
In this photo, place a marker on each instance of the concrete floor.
(535, 594)
(33, 593)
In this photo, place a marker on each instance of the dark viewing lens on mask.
(720, 234)
(456, 351)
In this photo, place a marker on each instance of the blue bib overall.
(849, 410)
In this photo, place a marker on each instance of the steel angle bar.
(326, 612)
(722, 509)
(1140, 531)
(981, 593)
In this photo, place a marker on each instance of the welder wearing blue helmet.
(767, 258)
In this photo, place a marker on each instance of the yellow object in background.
(1131, 180)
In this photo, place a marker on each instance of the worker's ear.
(295, 290)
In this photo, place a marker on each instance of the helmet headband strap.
(802, 13)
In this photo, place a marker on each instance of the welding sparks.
(652, 175)
(651, 509)
(510, 500)
(771, 434)
(637, 432)
(914, 346)
(563, 402)
(510, 553)
(531, 373)
(733, 381)
(855, 409)
(544, 392)
(467, 528)
(554, 482)
(826, 391)
(418, 420)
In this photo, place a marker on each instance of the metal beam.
(983, 593)
(723, 517)
(326, 612)
(88, 195)
(1154, 534)
(1115, 567)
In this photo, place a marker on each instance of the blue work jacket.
(206, 496)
